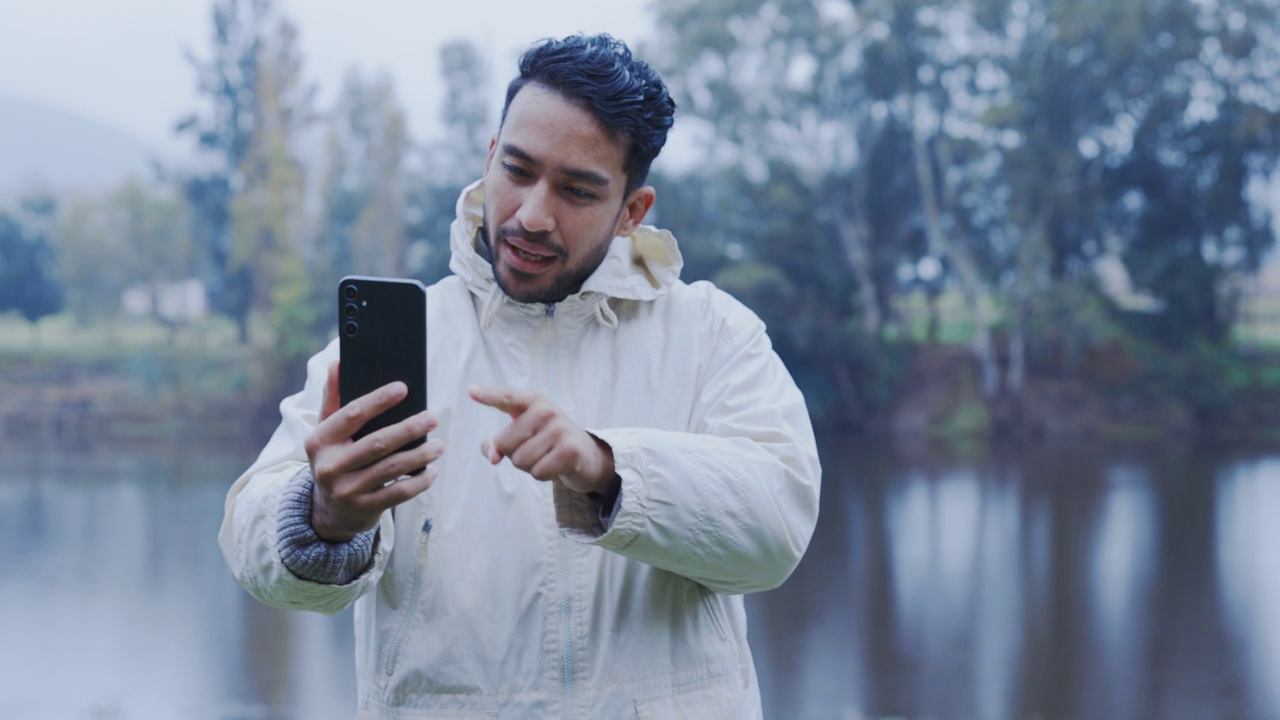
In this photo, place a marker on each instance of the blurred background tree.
(363, 229)
(1046, 189)
(229, 80)
(440, 169)
(847, 145)
(29, 282)
(247, 207)
(132, 237)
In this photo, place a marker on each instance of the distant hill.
(42, 145)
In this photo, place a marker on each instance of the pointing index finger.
(509, 400)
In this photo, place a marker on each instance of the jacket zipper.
(566, 597)
(419, 569)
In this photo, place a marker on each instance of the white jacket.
(494, 595)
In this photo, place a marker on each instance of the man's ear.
(634, 209)
(488, 158)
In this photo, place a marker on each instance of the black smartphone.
(382, 326)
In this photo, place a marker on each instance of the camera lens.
(351, 328)
(350, 292)
(350, 310)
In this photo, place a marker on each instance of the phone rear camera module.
(350, 292)
(350, 310)
(351, 328)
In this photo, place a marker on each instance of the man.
(614, 456)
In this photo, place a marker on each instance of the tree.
(28, 280)
(1013, 144)
(134, 236)
(442, 168)
(465, 114)
(1139, 129)
(1204, 136)
(825, 99)
(268, 233)
(363, 227)
(229, 80)
(247, 207)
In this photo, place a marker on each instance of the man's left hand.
(546, 443)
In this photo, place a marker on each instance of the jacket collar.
(642, 266)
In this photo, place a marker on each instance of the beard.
(518, 284)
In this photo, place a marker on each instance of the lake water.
(1138, 581)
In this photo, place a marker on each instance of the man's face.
(554, 199)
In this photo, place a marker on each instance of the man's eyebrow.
(588, 176)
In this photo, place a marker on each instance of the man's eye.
(580, 194)
(515, 170)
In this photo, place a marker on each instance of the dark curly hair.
(623, 93)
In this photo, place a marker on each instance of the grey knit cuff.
(304, 553)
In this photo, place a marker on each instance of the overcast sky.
(123, 62)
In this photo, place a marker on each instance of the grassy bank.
(136, 382)
(146, 383)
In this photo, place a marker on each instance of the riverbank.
(173, 393)
(1111, 394)
(148, 396)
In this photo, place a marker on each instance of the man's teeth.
(530, 256)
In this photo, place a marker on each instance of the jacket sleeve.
(249, 533)
(730, 504)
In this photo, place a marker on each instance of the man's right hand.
(358, 479)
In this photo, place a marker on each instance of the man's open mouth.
(526, 256)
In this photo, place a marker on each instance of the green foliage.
(246, 210)
(28, 283)
(134, 236)
(1063, 322)
(969, 418)
(447, 165)
(761, 286)
(1206, 378)
(839, 147)
(1015, 143)
(363, 229)
(1141, 128)
(296, 312)
(229, 80)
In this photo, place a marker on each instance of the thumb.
(332, 401)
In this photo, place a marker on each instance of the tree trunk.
(974, 289)
(857, 237)
(1033, 255)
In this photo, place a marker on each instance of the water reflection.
(1248, 535)
(1098, 582)
(1120, 571)
(114, 602)
(953, 548)
(1064, 582)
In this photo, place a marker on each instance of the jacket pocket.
(716, 699)
(411, 608)
(428, 715)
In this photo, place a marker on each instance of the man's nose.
(535, 213)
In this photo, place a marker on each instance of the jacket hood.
(641, 266)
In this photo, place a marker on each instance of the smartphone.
(382, 326)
